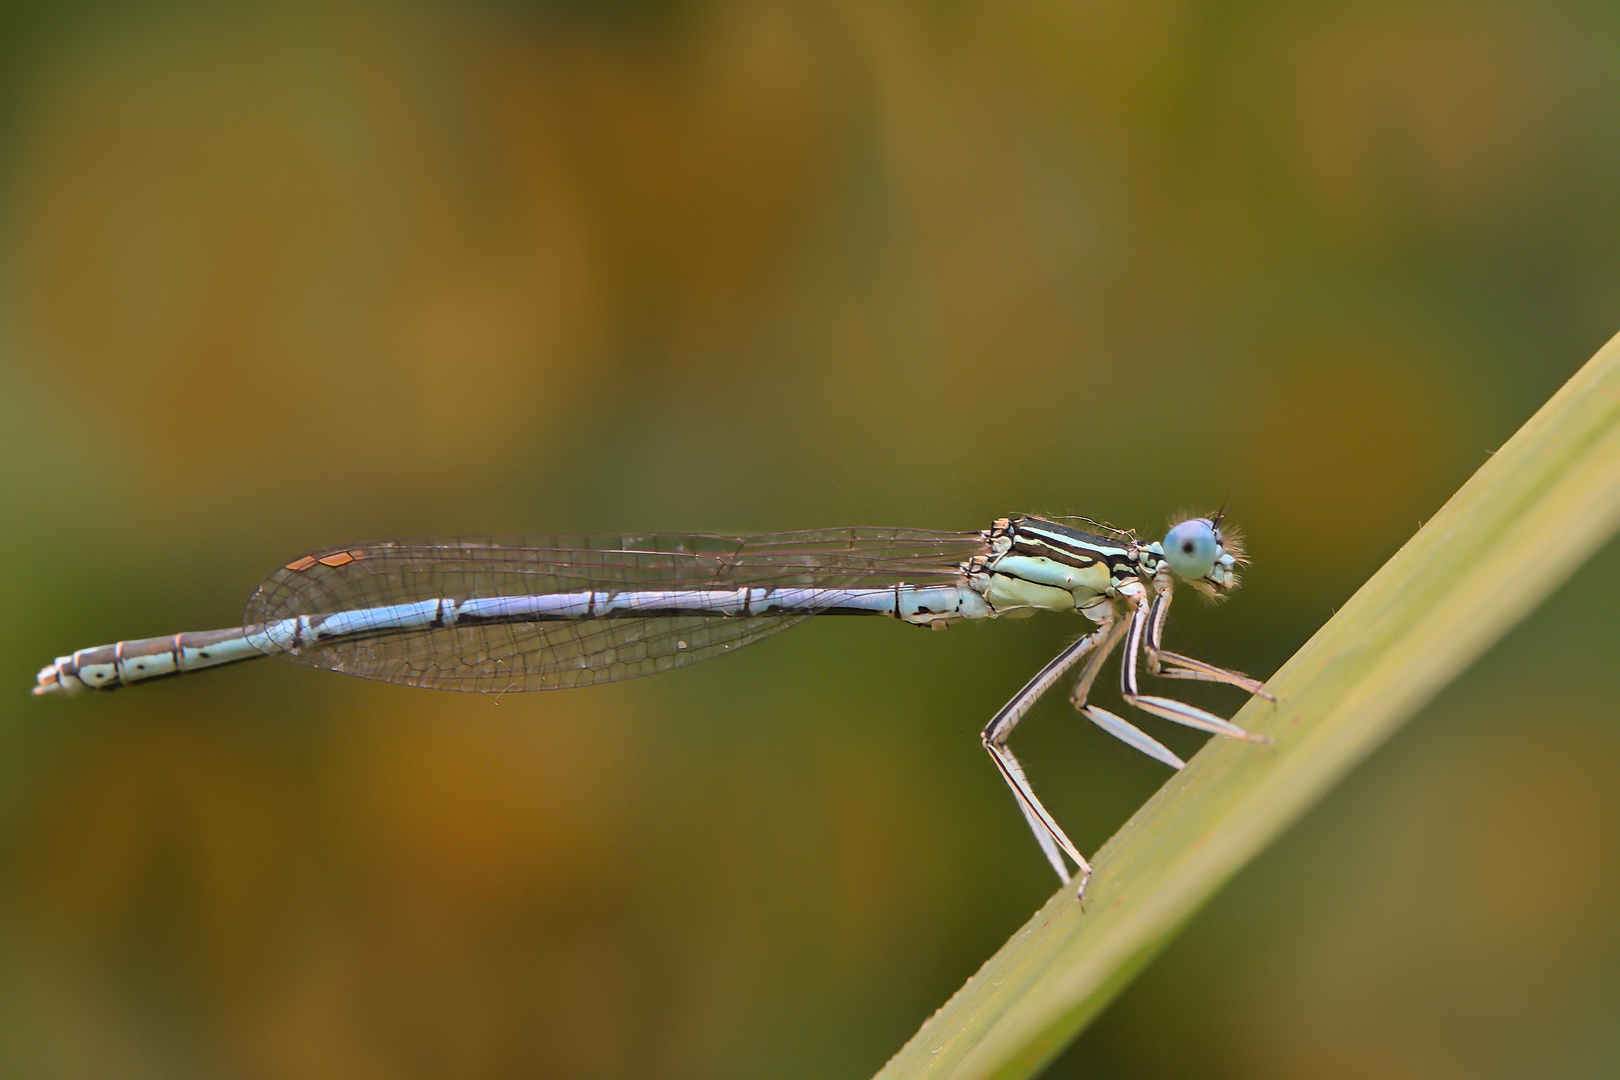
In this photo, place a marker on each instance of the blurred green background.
(280, 275)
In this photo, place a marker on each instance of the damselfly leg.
(1000, 729)
(1118, 727)
(1198, 671)
(1168, 708)
(1185, 667)
(1138, 631)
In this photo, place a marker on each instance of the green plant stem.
(1518, 528)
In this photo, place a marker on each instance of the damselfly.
(537, 613)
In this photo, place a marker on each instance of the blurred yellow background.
(281, 275)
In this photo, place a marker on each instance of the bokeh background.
(279, 275)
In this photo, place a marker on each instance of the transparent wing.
(540, 655)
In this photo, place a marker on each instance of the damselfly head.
(1204, 553)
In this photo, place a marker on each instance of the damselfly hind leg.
(1051, 838)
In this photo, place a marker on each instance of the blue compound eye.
(1191, 549)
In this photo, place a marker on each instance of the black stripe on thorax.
(1070, 547)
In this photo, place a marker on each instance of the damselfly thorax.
(535, 613)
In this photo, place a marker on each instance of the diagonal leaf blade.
(1520, 526)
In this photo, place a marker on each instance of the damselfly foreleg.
(1170, 709)
(1185, 667)
(1198, 671)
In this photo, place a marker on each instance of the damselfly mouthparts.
(537, 613)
